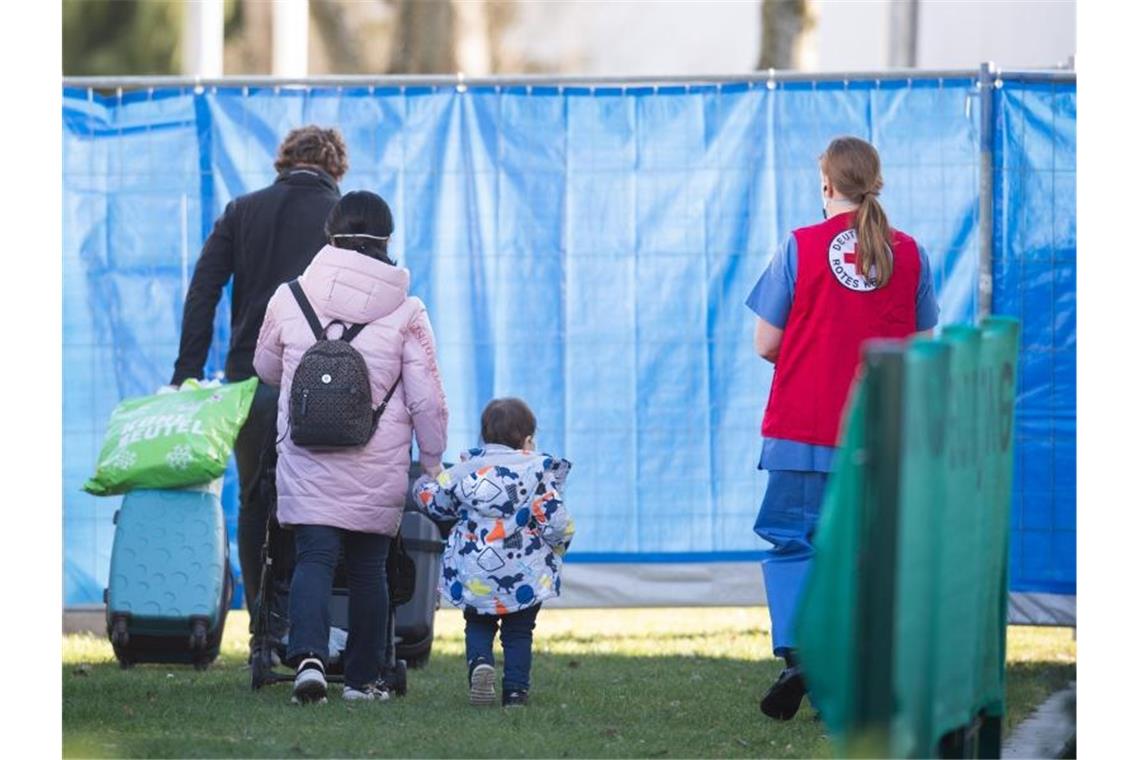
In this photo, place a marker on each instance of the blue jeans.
(517, 633)
(366, 554)
(788, 518)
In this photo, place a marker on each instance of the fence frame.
(1033, 608)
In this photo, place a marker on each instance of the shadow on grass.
(594, 705)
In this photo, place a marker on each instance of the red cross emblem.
(853, 259)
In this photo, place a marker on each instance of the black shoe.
(514, 698)
(783, 698)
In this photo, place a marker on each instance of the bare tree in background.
(334, 36)
(424, 38)
(350, 36)
(249, 38)
(787, 34)
(379, 36)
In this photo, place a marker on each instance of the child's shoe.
(514, 698)
(310, 684)
(482, 690)
(376, 691)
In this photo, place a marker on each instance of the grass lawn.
(605, 683)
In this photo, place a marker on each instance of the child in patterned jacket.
(504, 556)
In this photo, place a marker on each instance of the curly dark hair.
(314, 146)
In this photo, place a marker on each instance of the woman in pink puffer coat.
(351, 499)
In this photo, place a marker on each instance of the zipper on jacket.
(304, 401)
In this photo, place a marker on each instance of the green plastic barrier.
(902, 624)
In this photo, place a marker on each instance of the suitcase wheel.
(120, 637)
(198, 637)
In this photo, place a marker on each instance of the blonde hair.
(851, 166)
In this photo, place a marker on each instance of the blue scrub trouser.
(787, 519)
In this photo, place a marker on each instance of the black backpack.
(330, 403)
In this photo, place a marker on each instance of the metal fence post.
(986, 191)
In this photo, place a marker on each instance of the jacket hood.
(352, 287)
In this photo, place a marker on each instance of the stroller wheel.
(257, 673)
(400, 678)
(419, 661)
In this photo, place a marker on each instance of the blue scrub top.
(771, 300)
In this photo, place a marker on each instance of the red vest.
(833, 312)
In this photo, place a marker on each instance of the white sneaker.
(482, 690)
(310, 684)
(373, 692)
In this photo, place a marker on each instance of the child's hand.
(420, 483)
(433, 471)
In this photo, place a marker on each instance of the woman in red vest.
(832, 286)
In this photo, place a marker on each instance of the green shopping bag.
(171, 440)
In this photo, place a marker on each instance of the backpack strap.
(384, 404)
(351, 333)
(307, 310)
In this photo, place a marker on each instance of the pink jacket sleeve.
(267, 357)
(423, 389)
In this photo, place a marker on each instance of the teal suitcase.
(170, 582)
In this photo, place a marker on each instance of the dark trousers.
(516, 631)
(365, 554)
(258, 433)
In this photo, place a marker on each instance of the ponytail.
(875, 260)
(851, 165)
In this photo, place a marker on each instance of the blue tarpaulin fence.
(588, 248)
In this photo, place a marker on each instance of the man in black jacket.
(261, 240)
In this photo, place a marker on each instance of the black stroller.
(412, 590)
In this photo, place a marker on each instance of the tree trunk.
(250, 50)
(424, 38)
(787, 34)
(336, 41)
